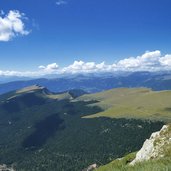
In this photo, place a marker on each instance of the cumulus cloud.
(166, 61)
(149, 61)
(86, 67)
(49, 68)
(12, 25)
(61, 2)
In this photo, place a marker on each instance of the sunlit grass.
(140, 103)
(123, 165)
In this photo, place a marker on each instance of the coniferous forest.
(53, 135)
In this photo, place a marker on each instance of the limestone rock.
(153, 147)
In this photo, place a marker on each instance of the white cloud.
(61, 2)
(85, 67)
(12, 25)
(165, 61)
(149, 61)
(49, 68)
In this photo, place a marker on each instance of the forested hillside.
(43, 131)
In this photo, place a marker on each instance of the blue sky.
(88, 30)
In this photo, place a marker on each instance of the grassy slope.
(133, 103)
(156, 164)
(122, 165)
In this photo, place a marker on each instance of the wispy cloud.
(149, 61)
(12, 25)
(61, 2)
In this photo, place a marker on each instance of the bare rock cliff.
(156, 146)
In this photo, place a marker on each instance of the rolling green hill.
(139, 103)
(42, 131)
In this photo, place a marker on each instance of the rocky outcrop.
(5, 168)
(91, 167)
(156, 146)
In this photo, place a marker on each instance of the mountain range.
(95, 82)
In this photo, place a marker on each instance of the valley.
(41, 130)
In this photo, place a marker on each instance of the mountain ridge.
(96, 83)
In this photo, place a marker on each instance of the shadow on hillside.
(44, 129)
